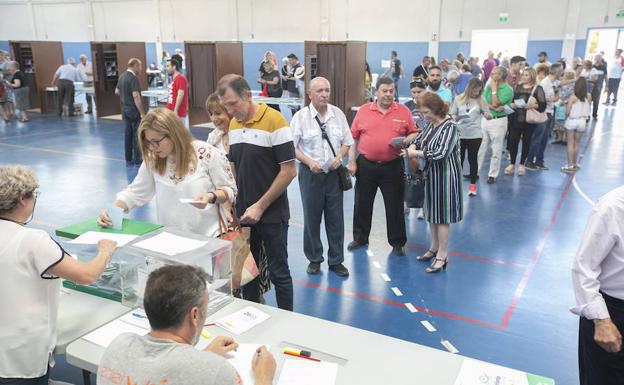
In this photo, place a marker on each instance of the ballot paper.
(107, 333)
(326, 165)
(190, 200)
(243, 320)
(519, 103)
(305, 372)
(397, 141)
(170, 244)
(475, 372)
(116, 214)
(508, 110)
(136, 317)
(241, 361)
(93, 237)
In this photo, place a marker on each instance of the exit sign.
(504, 17)
(620, 14)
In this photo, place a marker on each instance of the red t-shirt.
(179, 83)
(375, 130)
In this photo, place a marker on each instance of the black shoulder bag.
(344, 179)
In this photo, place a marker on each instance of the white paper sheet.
(107, 333)
(189, 200)
(243, 320)
(305, 372)
(93, 237)
(325, 166)
(508, 110)
(241, 361)
(475, 372)
(397, 141)
(116, 214)
(136, 317)
(520, 102)
(170, 244)
(218, 284)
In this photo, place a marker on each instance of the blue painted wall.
(75, 49)
(410, 54)
(253, 54)
(449, 49)
(150, 54)
(579, 48)
(552, 48)
(4, 45)
(170, 47)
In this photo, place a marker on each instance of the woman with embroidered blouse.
(176, 166)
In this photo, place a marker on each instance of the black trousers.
(388, 177)
(524, 131)
(595, 94)
(66, 96)
(472, 147)
(89, 97)
(132, 119)
(614, 85)
(597, 366)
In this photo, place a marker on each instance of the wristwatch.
(214, 199)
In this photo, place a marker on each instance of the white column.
(434, 30)
(91, 20)
(571, 25)
(159, 38)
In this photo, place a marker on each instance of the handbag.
(344, 178)
(533, 116)
(243, 265)
(414, 186)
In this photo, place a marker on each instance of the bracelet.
(213, 200)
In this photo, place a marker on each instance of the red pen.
(212, 324)
(307, 358)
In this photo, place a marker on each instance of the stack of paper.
(243, 320)
(241, 361)
(303, 372)
(93, 237)
(170, 244)
(107, 333)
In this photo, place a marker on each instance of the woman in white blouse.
(31, 264)
(221, 119)
(176, 166)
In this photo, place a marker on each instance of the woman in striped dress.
(438, 145)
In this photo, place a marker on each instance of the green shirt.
(505, 96)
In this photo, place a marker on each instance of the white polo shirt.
(30, 300)
(307, 136)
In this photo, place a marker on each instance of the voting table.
(363, 357)
(79, 88)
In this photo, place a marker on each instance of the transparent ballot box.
(125, 277)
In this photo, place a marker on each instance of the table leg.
(86, 377)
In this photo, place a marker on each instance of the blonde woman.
(219, 137)
(176, 166)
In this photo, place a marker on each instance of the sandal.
(432, 269)
(426, 257)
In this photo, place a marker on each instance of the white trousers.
(494, 131)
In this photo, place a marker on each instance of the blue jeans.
(540, 140)
(273, 237)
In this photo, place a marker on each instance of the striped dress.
(443, 186)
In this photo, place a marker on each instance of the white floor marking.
(411, 307)
(428, 326)
(397, 292)
(385, 277)
(581, 193)
(449, 346)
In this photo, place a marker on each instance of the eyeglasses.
(155, 143)
(35, 194)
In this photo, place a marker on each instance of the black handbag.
(344, 178)
(414, 187)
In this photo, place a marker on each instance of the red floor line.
(394, 303)
(482, 259)
(540, 246)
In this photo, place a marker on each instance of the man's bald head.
(319, 81)
(319, 93)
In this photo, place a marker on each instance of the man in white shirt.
(598, 280)
(322, 138)
(614, 75)
(86, 70)
(66, 75)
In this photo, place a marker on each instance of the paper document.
(325, 166)
(520, 103)
(169, 244)
(217, 284)
(304, 372)
(475, 372)
(136, 317)
(93, 237)
(397, 141)
(241, 361)
(107, 333)
(243, 320)
(189, 200)
(116, 214)
(508, 110)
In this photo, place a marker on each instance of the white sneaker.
(421, 214)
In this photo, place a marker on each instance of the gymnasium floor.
(503, 299)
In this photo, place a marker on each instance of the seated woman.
(30, 265)
(176, 166)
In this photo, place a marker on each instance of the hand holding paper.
(397, 141)
(116, 215)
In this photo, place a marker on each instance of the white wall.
(291, 20)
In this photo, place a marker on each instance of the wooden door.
(47, 58)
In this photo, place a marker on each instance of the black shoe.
(314, 268)
(339, 269)
(614, 103)
(541, 166)
(491, 180)
(432, 269)
(355, 245)
(530, 166)
(425, 257)
(467, 176)
(399, 250)
(88, 112)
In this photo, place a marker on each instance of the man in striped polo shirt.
(262, 156)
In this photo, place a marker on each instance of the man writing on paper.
(176, 303)
(313, 128)
(376, 128)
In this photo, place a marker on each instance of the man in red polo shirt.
(380, 129)
(177, 101)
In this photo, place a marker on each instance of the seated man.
(176, 302)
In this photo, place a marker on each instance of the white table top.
(78, 87)
(155, 93)
(288, 101)
(80, 313)
(394, 361)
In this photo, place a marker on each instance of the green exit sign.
(620, 14)
(503, 17)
